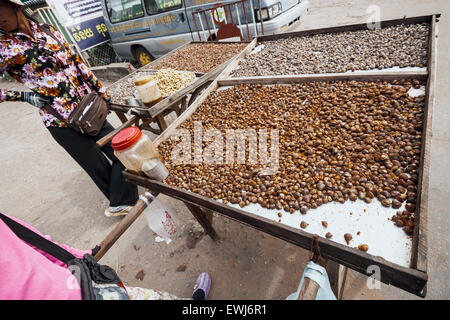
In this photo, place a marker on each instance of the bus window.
(158, 6)
(123, 10)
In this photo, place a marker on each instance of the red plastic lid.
(126, 138)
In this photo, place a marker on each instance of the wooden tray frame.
(419, 253)
(412, 279)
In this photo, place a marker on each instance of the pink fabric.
(27, 273)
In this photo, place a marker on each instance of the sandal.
(202, 286)
(121, 212)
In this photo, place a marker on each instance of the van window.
(123, 10)
(158, 6)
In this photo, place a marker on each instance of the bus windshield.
(157, 6)
(123, 10)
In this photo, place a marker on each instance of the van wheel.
(143, 56)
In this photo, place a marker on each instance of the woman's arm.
(32, 98)
(10, 95)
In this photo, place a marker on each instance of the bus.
(143, 30)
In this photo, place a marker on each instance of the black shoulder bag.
(96, 281)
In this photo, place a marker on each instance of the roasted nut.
(401, 197)
(399, 223)
(396, 204)
(325, 224)
(348, 237)
(303, 224)
(386, 203)
(328, 235)
(363, 247)
(410, 207)
(408, 230)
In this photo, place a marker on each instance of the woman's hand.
(107, 98)
(35, 99)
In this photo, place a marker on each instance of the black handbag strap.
(37, 240)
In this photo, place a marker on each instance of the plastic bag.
(318, 274)
(159, 219)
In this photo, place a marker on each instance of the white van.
(143, 30)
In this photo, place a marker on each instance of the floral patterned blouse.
(46, 68)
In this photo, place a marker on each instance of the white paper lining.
(371, 220)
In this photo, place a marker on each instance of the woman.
(58, 77)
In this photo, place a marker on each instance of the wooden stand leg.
(121, 116)
(309, 287)
(161, 122)
(333, 275)
(101, 142)
(176, 108)
(203, 219)
(145, 125)
(120, 228)
(183, 105)
(209, 215)
(342, 285)
(337, 275)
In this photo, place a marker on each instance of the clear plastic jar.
(148, 91)
(133, 148)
